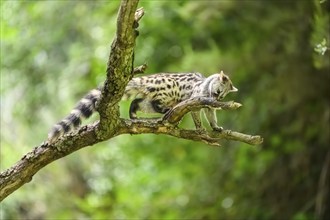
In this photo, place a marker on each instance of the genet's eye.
(217, 92)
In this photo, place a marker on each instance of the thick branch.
(42, 155)
(120, 66)
(119, 71)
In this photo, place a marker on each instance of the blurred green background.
(53, 52)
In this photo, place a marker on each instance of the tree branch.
(167, 125)
(145, 126)
(119, 68)
(42, 155)
(23, 171)
(175, 115)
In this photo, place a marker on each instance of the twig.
(140, 69)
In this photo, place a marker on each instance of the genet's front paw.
(216, 128)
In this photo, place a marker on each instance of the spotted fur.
(156, 93)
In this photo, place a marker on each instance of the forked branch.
(168, 124)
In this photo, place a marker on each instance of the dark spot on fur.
(151, 89)
(74, 119)
(85, 110)
(91, 97)
(65, 126)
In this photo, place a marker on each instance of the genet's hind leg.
(146, 106)
(134, 108)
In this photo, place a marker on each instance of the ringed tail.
(87, 106)
(84, 109)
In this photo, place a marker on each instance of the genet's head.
(221, 86)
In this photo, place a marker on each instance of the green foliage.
(52, 52)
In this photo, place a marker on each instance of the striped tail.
(84, 109)
(87, 106)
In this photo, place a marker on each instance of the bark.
(119, 71)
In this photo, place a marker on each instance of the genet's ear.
(223, 77)
(233, 89)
